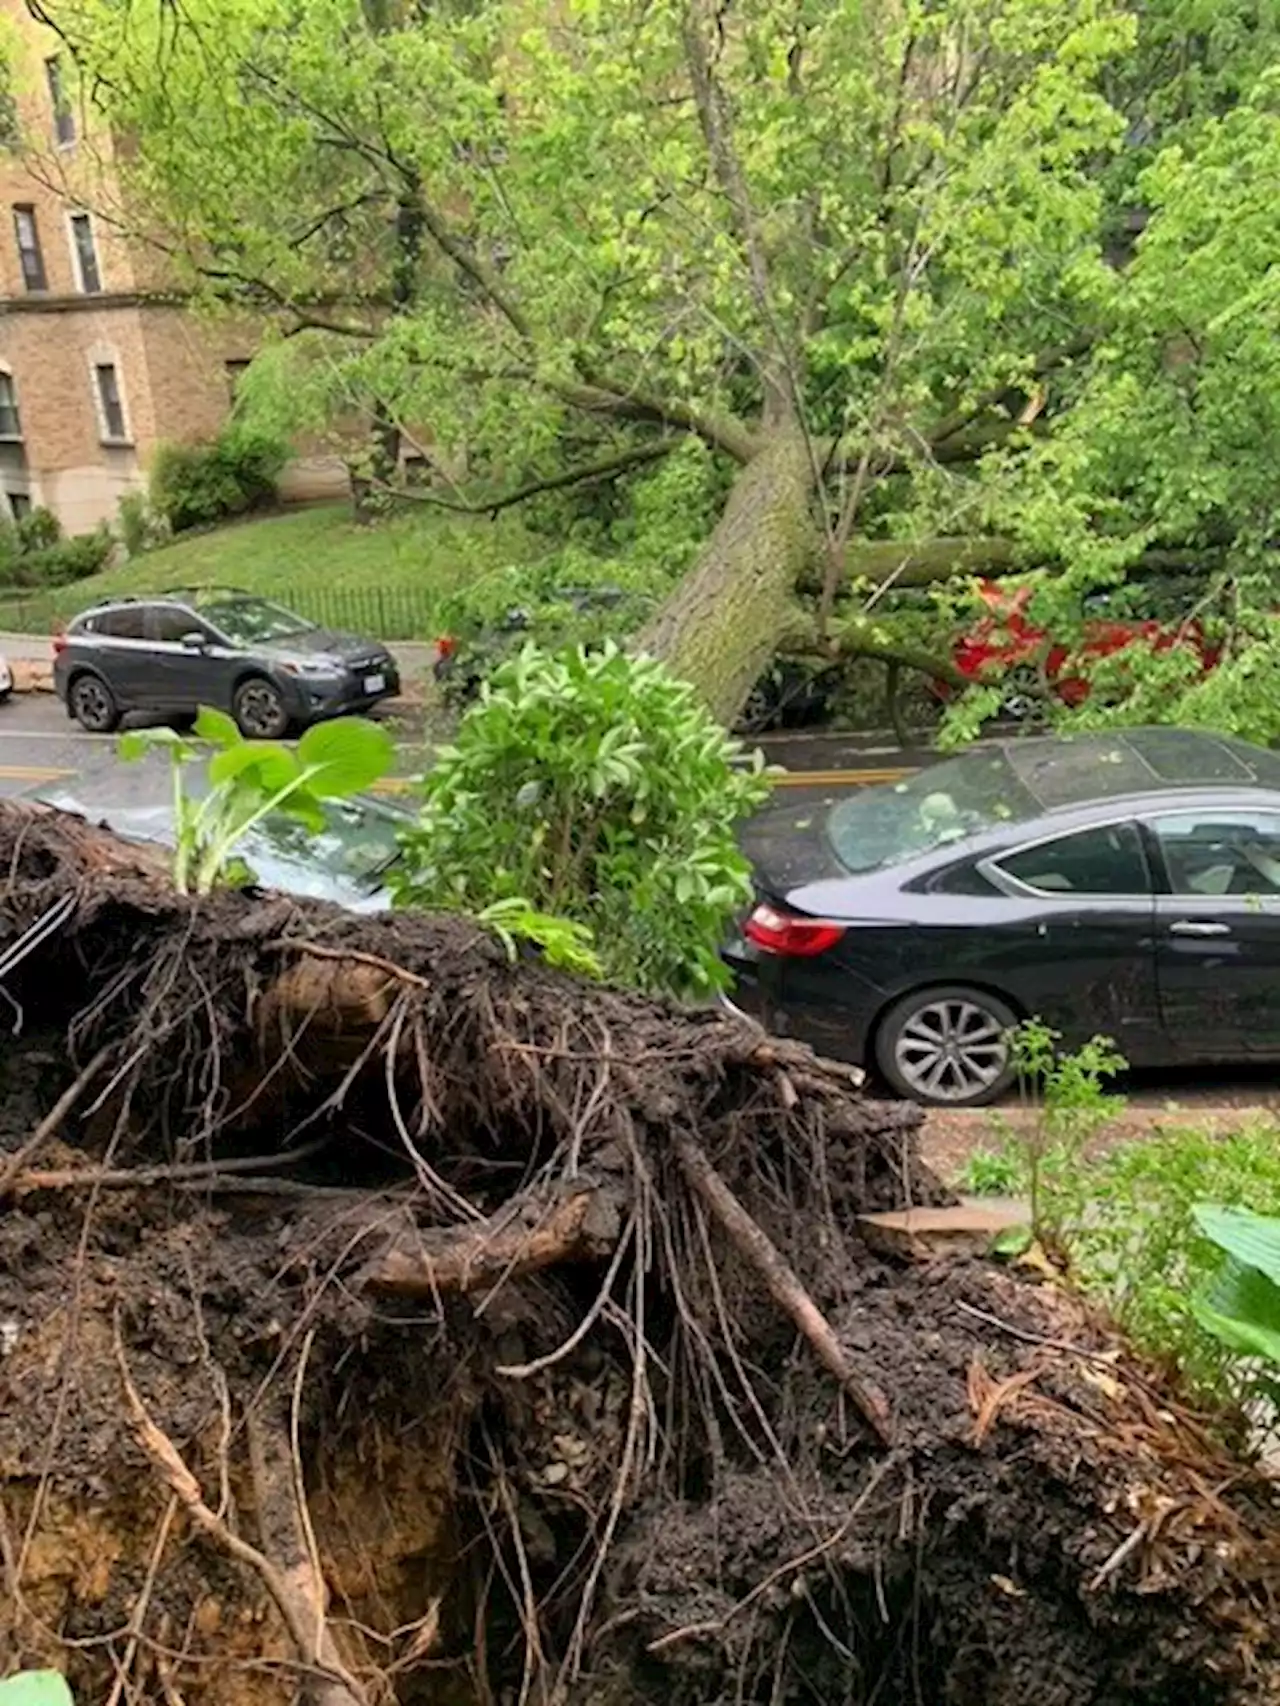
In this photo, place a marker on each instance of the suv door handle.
(1198, 927)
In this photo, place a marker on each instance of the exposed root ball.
(382, 1322)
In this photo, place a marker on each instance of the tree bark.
(720, 627)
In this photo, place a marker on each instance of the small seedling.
(251, 779)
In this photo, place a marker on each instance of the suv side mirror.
(195, 642)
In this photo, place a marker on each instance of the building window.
(64, 120)
(29, 253)
(10, 420)
(236, 369)
(19, 505)
(86, 254)
(110, 403)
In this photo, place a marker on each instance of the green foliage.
(33, 552)
(998, 1172)
(140, 528)
(1135, 1242)
(1240, 1305)
(249, 779)
(197, 485)
(560, 942)
(592, 787)
(1067, 1099)
(35, 1688)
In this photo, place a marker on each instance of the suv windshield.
(254, 621)
(944, 803)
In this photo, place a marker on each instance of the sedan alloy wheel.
(948, 1047)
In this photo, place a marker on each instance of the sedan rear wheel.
(948, 1048)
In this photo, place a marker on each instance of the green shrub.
(1134, 1241)
(595, 788)
(140, 529)
(52, 565)
(198, 485)
(38, 530)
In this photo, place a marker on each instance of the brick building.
(98, 365)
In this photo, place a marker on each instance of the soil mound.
(385, 1321)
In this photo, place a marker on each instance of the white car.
(6, 679)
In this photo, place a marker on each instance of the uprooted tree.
(875, 255)
(385, 1322)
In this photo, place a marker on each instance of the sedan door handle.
(1198, 927)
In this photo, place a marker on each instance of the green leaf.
(272, 767)
(345, 756)
(1252, 1239)
(137, 743)
(1012, 1242)
(1240, 1307)
(36, 1688)
(218, 727)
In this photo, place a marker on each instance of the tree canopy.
(988, 268)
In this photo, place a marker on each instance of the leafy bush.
(1240, 1305)
(198, 485)
(595, 788)
(55, 564)
(140, 529)
(38, 529)
(1135, 1243)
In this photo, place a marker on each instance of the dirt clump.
(385, 1321)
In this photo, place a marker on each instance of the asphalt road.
(39, 745)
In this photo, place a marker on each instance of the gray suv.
(168, 655)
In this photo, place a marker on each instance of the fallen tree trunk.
(558, 1365)
(720, 627)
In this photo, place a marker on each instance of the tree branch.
(1043, 365)
(607, 468)
(600, 396)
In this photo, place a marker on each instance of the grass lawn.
(386, 578)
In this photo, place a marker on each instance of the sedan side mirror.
(195, 642)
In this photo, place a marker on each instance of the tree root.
(756, 1248)
(298, 1596)
(526, 1234)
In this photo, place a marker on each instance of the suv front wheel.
(93, 705)
(259, 710)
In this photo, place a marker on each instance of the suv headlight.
(313, 669)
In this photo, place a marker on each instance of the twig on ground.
(182, 1172)
(758, 1250)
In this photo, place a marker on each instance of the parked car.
(465, 658)
(1127, 885)
(6, 680)
(347, 864)
(272, 669)
(1006, 646)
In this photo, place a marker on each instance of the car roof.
(193, 596)
(1066, 772)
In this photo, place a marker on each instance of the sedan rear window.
(946, 803)
(254, 621)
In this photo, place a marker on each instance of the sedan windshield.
(945, 803)
(255, 621)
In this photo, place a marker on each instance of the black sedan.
(1123, 884)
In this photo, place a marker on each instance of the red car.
(1005, 645)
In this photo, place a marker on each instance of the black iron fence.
(382, 613)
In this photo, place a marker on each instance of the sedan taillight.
(789, 934)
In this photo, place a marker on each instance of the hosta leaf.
(218, 727)
(1250, 1238)
(36, 1688)
(345, 756)
(1240, 1307)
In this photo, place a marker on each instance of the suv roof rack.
(202, 586)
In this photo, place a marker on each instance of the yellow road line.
(838, 778)
(31, 773)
